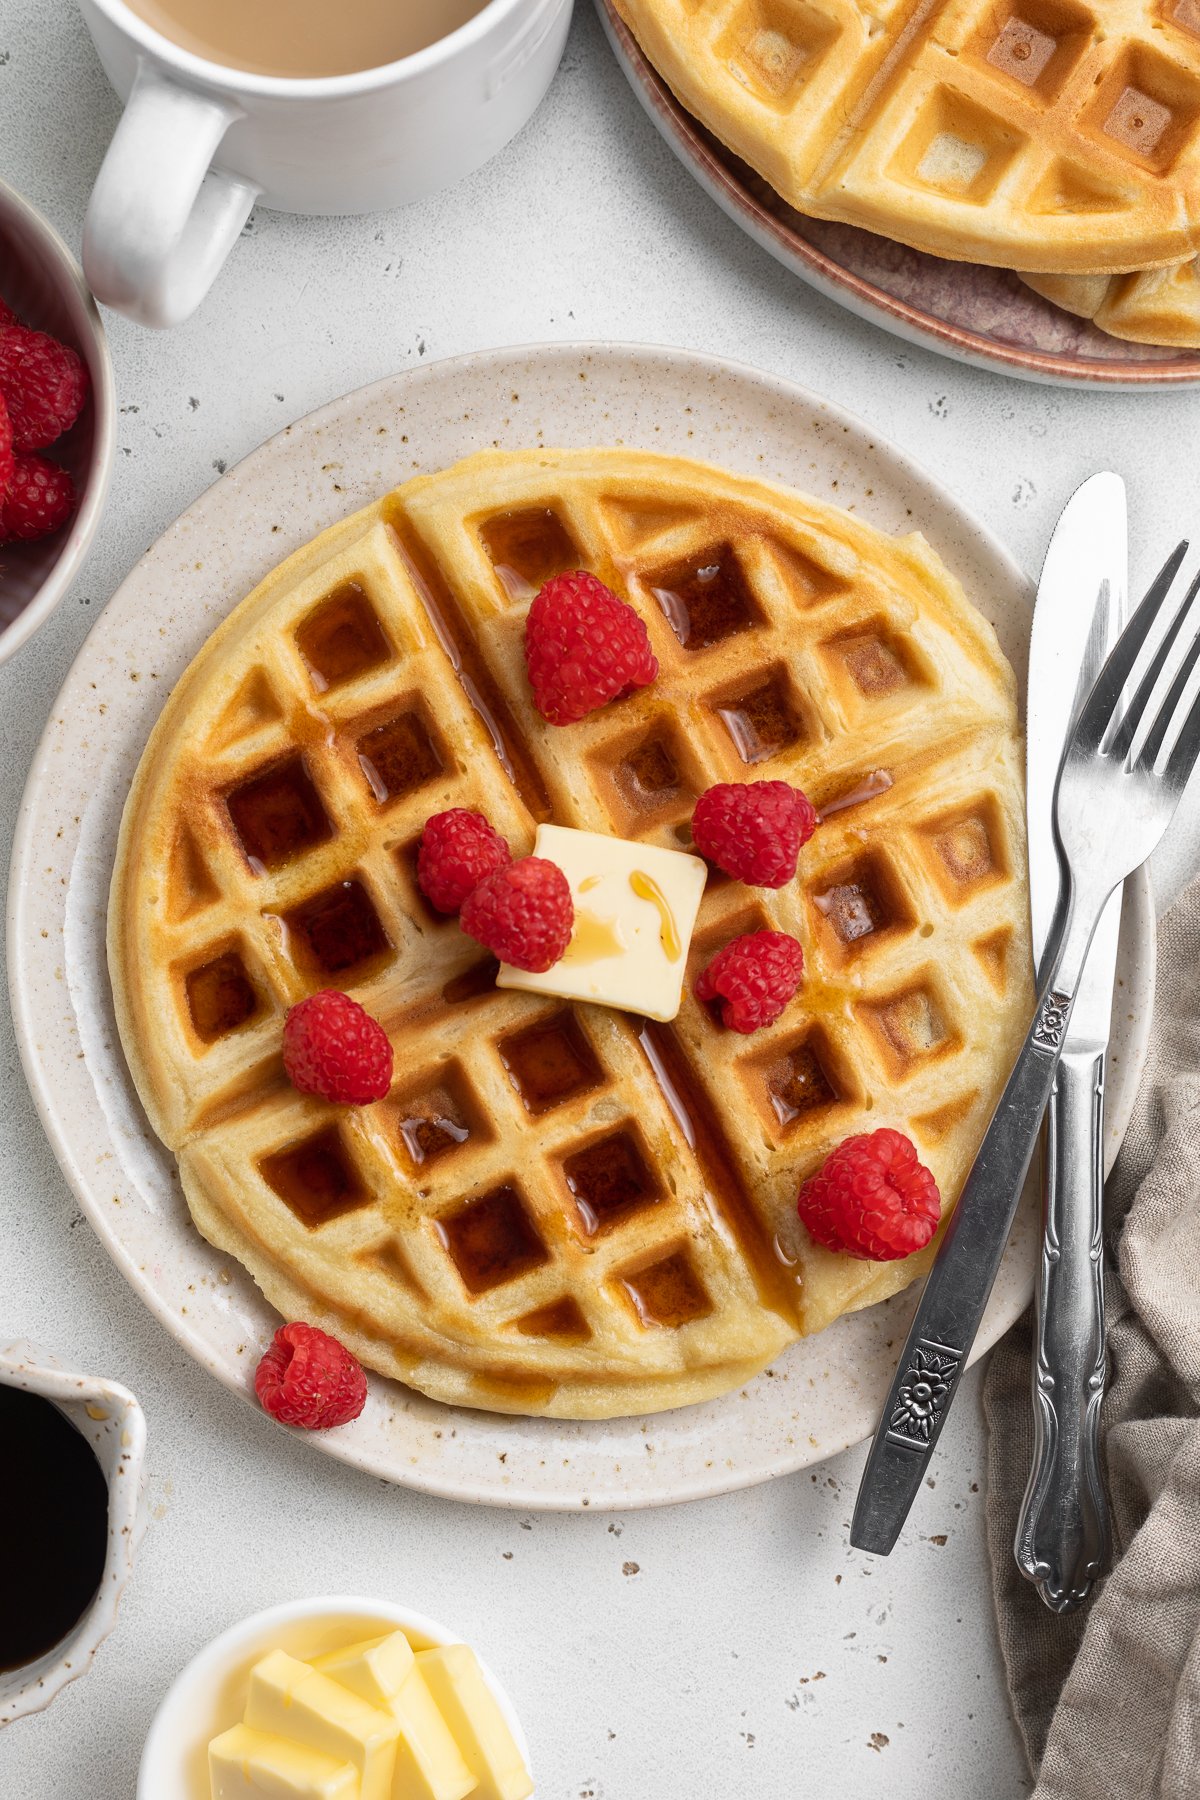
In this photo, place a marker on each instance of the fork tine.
(1185, 748)
(1122, 741)
(1157, 734)
(1185, 751)
(1101, 703)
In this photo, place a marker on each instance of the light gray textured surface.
(735, 1647)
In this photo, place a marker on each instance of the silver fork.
(1123, 773)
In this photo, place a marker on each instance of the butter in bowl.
(335, 1699)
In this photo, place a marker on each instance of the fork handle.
(959, 1283)
(1062, 1535)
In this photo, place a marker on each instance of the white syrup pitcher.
(113, 1426)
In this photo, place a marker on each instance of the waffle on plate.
(559, 1208)
(1053, 137)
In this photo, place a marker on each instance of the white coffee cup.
(199, 144)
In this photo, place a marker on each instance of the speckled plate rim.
(824, 1393)
(861, 297)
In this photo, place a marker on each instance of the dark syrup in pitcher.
(53, 1527)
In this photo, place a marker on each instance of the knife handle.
(960, 1281)
(1062, 1541)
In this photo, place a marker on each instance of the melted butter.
(592, 881)
(593, 939)
(647, 889)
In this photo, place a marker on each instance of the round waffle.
(560, 1209)
(1063, 137)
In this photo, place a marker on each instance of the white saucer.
(823, 1394)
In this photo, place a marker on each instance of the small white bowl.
(209, 1695)
(41, 281)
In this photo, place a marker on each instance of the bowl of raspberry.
(56, 420)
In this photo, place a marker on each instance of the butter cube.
(472, 1712)
(635, 910)
(429, 1764)
(375, 1669)
(289, 1699)
(246, 1765)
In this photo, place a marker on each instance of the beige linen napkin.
(1108, 1699)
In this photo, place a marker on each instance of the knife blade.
(971, 1248)
(1062, 1536)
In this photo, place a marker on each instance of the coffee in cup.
(305, 39)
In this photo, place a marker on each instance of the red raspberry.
(583, 648)
(755, 976)
(307, 1378)
(7, 461)
(753, 829)
(333, 1047)
(523, 914)
(458, 848)
(44, 384)
(38, 498)
(871, 1198)
(7, 315)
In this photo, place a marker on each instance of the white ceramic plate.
(823, 1394)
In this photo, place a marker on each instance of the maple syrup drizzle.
(485, 700)
(724, 1193)
(594, 939)
(646, 888)
(877, 782)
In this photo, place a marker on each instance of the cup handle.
(160, 221)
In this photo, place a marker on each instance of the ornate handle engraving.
(1051, 1023)
(924, 1393)
(1062, 1536)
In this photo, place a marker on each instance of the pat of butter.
(429, 1764)
(635, 910)
(375, 1669)
(471, 1710)
(291, 1700)
(246, 1765)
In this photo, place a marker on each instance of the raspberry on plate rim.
(309, 1379)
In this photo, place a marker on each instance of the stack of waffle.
(559, 1208)
(1061, 140)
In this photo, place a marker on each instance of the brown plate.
(978, 315)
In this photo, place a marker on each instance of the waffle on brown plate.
(561, 1209)
(1052, 137)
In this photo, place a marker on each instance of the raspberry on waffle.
(558, 1208)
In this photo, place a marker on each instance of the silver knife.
(1063, 1536)
(956, 1291)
